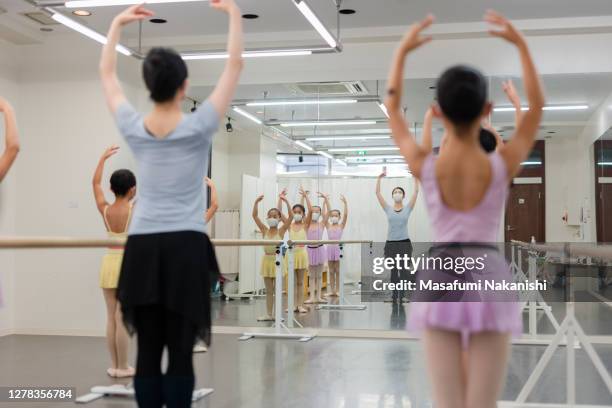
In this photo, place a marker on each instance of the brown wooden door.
(603, 190)
(524, 213)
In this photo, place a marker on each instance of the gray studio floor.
(325, 372)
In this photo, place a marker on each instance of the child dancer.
(169, 263)
(116, 218)
(465, 191)
(317, 254)
(274, 230)
(297, 232)
(335, 228)
(11, 138)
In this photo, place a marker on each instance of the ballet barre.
(569, 329)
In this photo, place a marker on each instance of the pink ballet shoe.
(265, 319)
(111, 372)
(309, 301)
(302, 310)
(125, 373)
(320, 301)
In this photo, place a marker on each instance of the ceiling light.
(88, 32)
(304, 145)
(289, 173)
(330, 123)
(316, 23)
(604, 164)
(303, 102)
(546, 108)
(341, 162)
(364, 148)
(375, 157)
(383, 108)
(246, 54)
(82, 13)
(104, 3)
(325, 154)
(247, 115)
(340, 138)
(531, 163)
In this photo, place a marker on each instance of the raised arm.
(426, 144)
(279, 206)
(108, 62)
(262, 227)
(515, 100)
(415, 194)
(308, 218)
(403, 137)
(214, 201)
(345, 211)
(517, 149)
(11, 136)
(224, 91)
(381, 200)
(101, 202)
(326, 208)
(287, 221)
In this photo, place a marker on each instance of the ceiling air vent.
(41, 18)
(330, 88)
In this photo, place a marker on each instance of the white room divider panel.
(250, 257)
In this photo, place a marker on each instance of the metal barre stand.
(571, 329)
(343, 303)
(281, 331)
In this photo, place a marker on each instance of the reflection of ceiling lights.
(304, 145)
(383, 108)
(604, 164)
(531, 163)
(290, 173)
(87, 32)
(303, 102)
(341, 138)
(246, 54)
(105, 3)
(325, 154)
(546, 108)
(375, 157)
(82, 13)
(247, 115)
(329, 123)
(364, 148)
(316, 23)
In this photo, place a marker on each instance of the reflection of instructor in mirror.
(398, 239)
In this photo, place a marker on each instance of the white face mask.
(272, 222)
(297, 217)
(398, 197)
(315, 216)
(334, 220)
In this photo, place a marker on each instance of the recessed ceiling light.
(347, 12)
(250, 16)
(82, 13)
(158, 21)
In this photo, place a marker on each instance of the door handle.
(510, 228)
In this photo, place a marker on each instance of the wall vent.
(345, 88)
(41, 18)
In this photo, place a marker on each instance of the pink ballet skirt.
(333, 251)
(467, 312)
(317, 255)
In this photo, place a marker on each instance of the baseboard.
(58, 332)
(6, 332)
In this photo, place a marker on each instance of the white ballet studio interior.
(51, 78)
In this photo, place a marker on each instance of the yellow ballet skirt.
(300, 256)
(111, 263)
(268, 262)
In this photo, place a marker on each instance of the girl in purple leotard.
(335, 228)
(466, 343)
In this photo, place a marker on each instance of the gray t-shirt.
(398, 223)
(170, 196)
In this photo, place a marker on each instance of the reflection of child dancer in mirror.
(317, 254)
(11, 137)
(297, 232)
(200, 346)
(274, 230)
(467, 343)
(116, 218)
(335, 228)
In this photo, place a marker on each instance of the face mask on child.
(272, 222)
(297, 217)
(315, 216)
(334, 220)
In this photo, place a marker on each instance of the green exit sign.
(362, 153)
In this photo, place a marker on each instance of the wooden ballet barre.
(328, 242)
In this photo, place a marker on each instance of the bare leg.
(299, 290)
(312, 283)
(334, 278)
(269, 282)
(319, 284)
(487, 361)
(445, 368)
(110, 299)
(122, 342)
